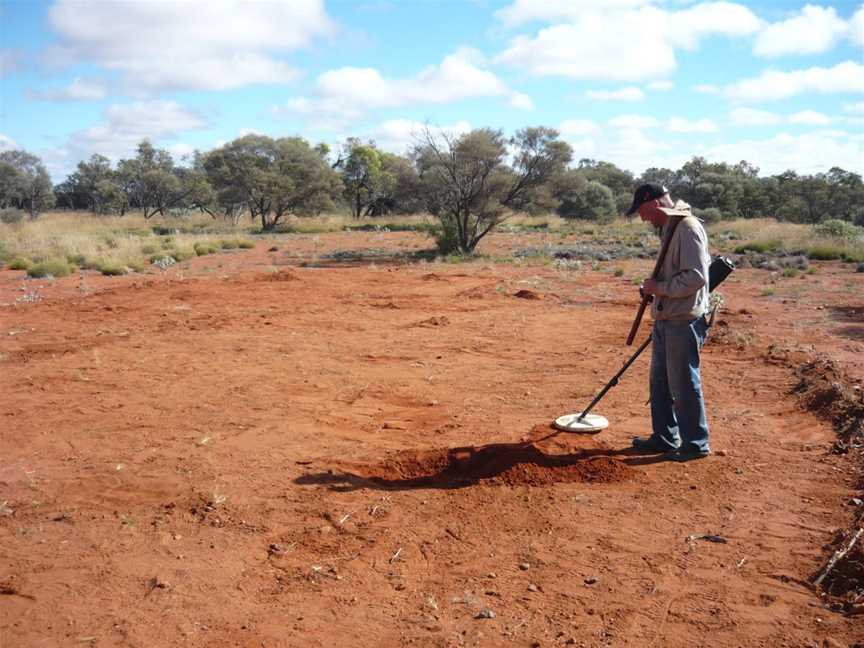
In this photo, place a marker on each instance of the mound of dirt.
(526, 294)
(432, 322)
(823, 388)
(507, 464)
(282, 275)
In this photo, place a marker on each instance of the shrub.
(246, 245)
(19, 263)
(202, 248)
(11, 215)
(49, 268)
(710, 215)
(148, 249)
(229, 244)
(111, 268)
(789, 273)
(77, 259)
(836, 228)
(825, 252)
(619, 272)
(183, 254)
(760, 246)
(446, 236)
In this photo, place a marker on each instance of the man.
(679, 424)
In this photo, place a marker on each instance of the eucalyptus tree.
(273, 177)
(24, 183)
(468, 184)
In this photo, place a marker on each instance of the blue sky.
(637, 82)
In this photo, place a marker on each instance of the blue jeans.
(677, 406)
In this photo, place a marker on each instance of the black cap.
(644, 193)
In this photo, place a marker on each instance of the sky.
(640, 83)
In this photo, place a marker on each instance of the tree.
(469, 187)
(400, 190)
(590, 200)
(25, 183)
(361, 167)
(273, 177)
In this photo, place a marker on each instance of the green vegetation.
(203, 248)
(50, 268)
(760, 246)
(19, 263)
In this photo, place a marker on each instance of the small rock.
(721, 453)
(485, 613)
(275, 549)
(855, 501)
(524, 566)
(491, 575)
(533, 588)
(590, 580)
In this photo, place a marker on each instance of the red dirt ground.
(221, 455)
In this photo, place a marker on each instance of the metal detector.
(585, 422)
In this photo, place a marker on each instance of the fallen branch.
(838, 555)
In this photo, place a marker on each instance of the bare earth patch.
(219, 454)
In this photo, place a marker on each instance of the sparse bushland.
(110, 245)
(828, 241)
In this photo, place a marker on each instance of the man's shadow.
(465, 466)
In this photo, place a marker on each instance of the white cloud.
(243, 132)
(681, 125)
(857, 107)
(348, 93)
(826, 132)
(807, 153)
(80, 89)
(706, 88)
(856, 27)
(399, 135)
(521, 101)
(812, 31)
(523, 11)
(7, 143)
(633, 122)
(597, 41)
(125, 125)
(661, 85)
(810, 117)
(197, 44)
(686, 28)
(753, 117)
(770, 85)
(630, 93)
(578, 127)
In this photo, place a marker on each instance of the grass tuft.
(50, 268)
(19, 263)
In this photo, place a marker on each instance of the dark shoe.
(686, 454)
(650, 444)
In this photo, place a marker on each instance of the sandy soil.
(242, 452)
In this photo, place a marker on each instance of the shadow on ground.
(498, 463)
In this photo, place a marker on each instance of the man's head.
(647, 200)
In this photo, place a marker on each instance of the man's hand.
(648, 287)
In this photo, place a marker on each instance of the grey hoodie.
(682, 284)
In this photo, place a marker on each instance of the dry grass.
(113, 245)
(768, 235)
